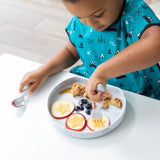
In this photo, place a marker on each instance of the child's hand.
(34, 78)
(91, 89)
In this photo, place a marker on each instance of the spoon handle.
(26, 88)
(100, 88)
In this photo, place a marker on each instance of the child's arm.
(61, 60)
(139, 55)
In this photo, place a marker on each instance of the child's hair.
(71, 1)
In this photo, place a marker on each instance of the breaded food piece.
(108, 95)
(79, 90)
(75, 89)
(82, 89)
(116, 102)
(106, 103)
(85, 95)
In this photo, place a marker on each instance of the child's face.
(99, 14)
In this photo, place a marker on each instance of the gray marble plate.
(115, 114)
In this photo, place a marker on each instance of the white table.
(30, 135)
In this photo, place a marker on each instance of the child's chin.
(102, 28)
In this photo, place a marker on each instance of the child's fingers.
(98, 97)
(23, 83)
(33, 87)
(93, 105)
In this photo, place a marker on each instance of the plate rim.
(92, 134)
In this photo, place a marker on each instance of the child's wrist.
(43, 71)
(100, 72)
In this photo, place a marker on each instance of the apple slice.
(76, 122)
(62, 109)
(95, 124)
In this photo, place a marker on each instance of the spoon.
(97, 113)
(21, 101)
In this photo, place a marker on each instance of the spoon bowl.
(22, 100)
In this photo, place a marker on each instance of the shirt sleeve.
(137, 19)
(71, 30)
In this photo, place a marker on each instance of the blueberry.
(88, 106)
(88, 111)
(81, 108)
(83, 101)
(77, 108)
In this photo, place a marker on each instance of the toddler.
(118, 42)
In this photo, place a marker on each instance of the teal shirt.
(95, 47)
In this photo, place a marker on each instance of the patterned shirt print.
(95, 47)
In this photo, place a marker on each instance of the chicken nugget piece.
(75, 89)
(108, 95)
(85, 95)
(116, 102)
(82, 89)
(106, 103)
